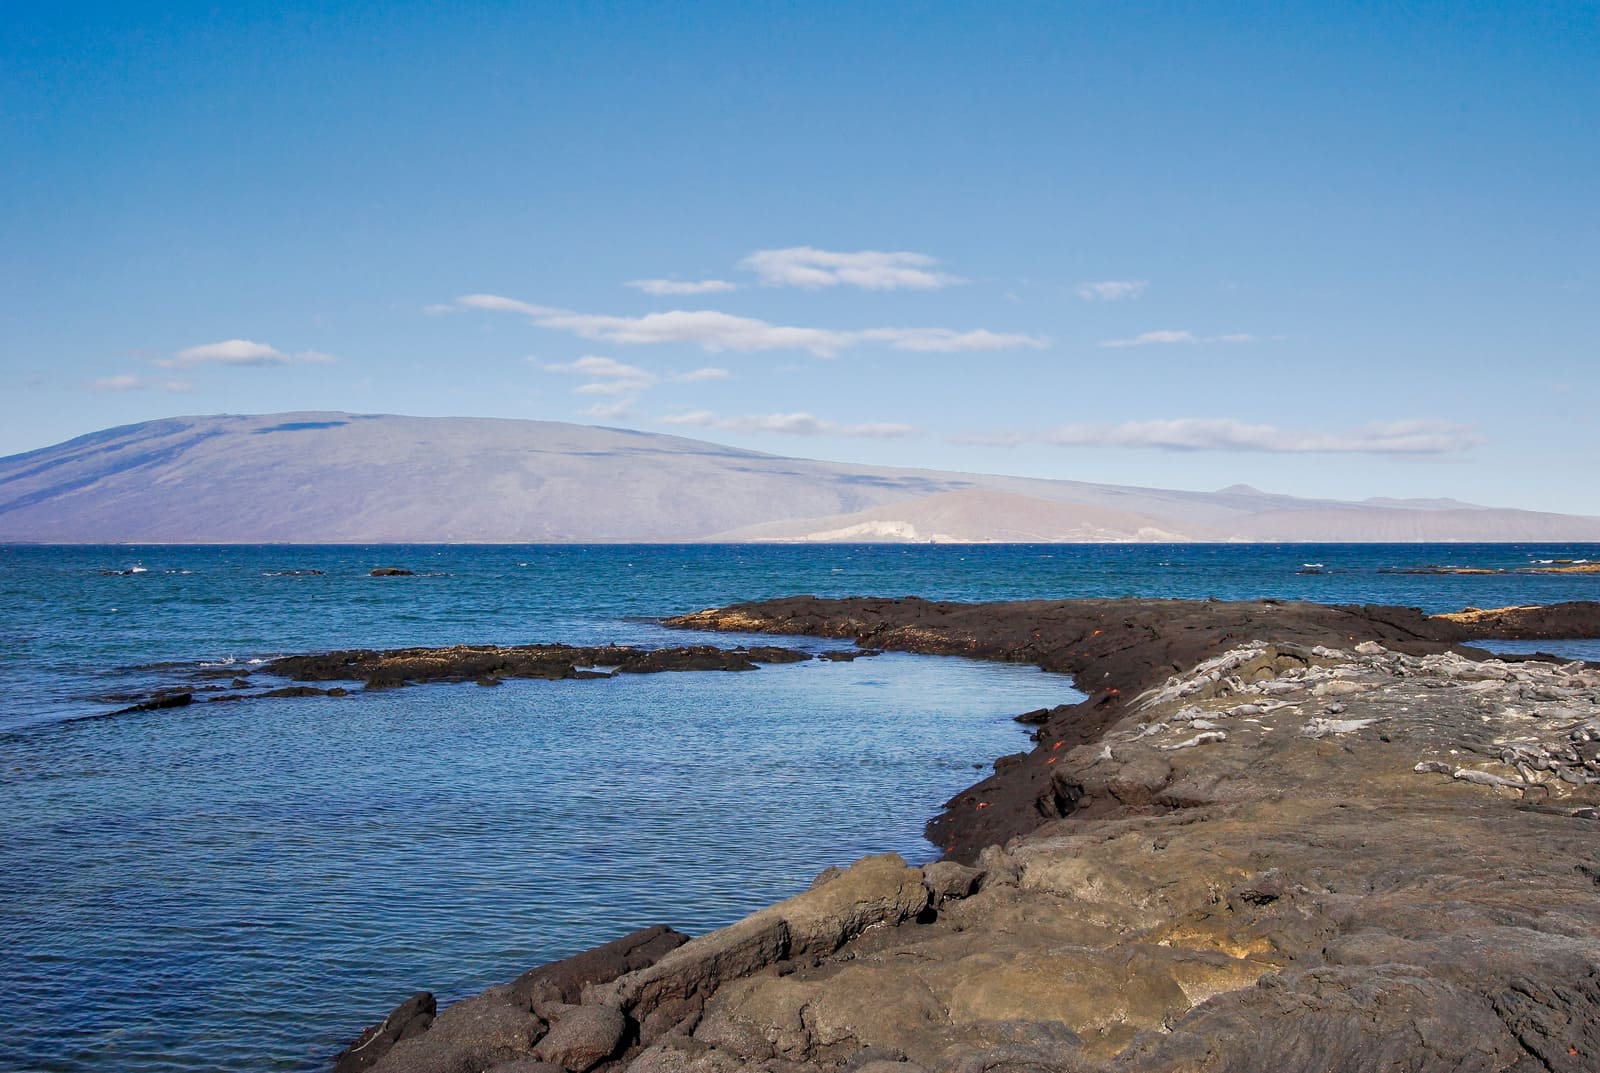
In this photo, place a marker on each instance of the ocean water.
(242, 886)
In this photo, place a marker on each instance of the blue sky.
(1343, 250)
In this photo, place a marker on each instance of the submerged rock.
(158, 702)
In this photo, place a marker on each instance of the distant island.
(319, 477)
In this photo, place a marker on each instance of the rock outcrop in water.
(1276, 837)
(394, 667)
(487, 665)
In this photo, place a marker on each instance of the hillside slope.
(359, 478)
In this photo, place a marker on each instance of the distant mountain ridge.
(318, 477)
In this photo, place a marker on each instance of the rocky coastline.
(1275, 836)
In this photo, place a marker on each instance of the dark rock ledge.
(490, 664)
(487, 665)
(1276, 837)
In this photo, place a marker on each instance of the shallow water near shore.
(241, 886)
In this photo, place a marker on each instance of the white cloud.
(1148, 338)
(238, 352)
(946, 340)
(122, 382)
(679, 286)
(612, 387)
(695, 376)
(876, 430)
(873, 270)
(591, 365)
(702, 418)
(1224, 434)
(1155, 338)
(1112, 290)
(707, 329)
(129, 382)
(498, 304)
(610, 411)
(796, 424)
(715, 332)
(996, 438)
(625, 383)
(612, 377)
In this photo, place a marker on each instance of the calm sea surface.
(242, 886)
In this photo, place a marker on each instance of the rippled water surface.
(241, 886)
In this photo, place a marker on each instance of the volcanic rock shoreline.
(1275, 836)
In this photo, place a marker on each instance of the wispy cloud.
(129, 382)
(1112, 290)
(613, 387)
(680, 286)
(122, 382)
(873, 270)
(622, 383)
(609, 368)
(715, 332)
(239, 352)
(494, 303)
(707, 329)
(696, 376)
(796, 424)
(616, 380)
(1163, 337)
(610, 411)
(1153, 338)
(1226, 434)
(946, 340)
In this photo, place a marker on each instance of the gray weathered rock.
(873, 891)
(947, 879)
(563, 981)
(582, 1037)
(467, 1036)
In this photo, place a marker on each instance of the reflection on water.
(241, 886)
